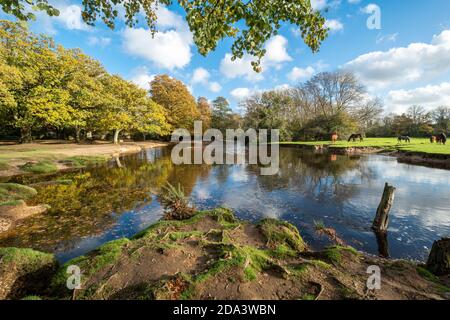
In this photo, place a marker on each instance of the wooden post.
(381, 221)
(439, 258)
(383, 245)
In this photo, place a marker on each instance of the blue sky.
(405, 62)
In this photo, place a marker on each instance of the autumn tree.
(250, 23)
(204, 109)
(176, 99)
(36, 82)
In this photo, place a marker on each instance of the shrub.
(175, 203)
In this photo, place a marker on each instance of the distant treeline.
(336, 102)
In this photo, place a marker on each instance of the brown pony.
(433, 139)
(334, 137)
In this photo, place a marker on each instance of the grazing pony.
(334, 137)
(356, 136)
(433, 139)
(404, 138)
(441, 138)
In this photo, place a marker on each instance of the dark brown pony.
(404, 138)
(441, 138)
(356, 136)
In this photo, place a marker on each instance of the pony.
(404, 138)
(334, 137)
(433, 139)
(356, 136)
(441, 138)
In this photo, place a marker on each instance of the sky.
(399, 49)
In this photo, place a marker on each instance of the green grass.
(334, 253)
(14, 193)
(420, 145)
(26, 259)
(40, 167)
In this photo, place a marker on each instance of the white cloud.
(324, 4)
(241, 93)
(297, 73)
(215, 87)
(167, 49)
(276, 55)
(170, 48)
(99, 41)
(70, 17)
(334, 25)
(418, 61)
(200, 75)
(282, 87)
(276, 51)
(429, 97)
(239, 68)
(318, 4)
(142, 78)
(168, 19)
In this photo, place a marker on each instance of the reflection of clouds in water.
(202, 192)
(239, 174)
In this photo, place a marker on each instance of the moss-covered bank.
(215, 256)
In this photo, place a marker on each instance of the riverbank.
(215, 256)
(419, 152)
(52, 156)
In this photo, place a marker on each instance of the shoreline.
(62, 155)
(214, 255)
(433, 160)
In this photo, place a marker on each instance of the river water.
(107, 202)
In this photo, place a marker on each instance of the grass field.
(421, 145)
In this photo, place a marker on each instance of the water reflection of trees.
(315, 174)
(94, 200)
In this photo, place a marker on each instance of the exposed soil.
(20, 154)
(215, 256)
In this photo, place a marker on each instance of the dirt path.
(12, 156)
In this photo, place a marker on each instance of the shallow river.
(108, 202)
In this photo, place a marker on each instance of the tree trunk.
(77, 134)
(439, 258)
(116, 136)
(118, 163)
(381, 221)
(25, 135)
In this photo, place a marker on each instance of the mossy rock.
(279, 233)
(12, 194)
(40, 167)
(24, 272)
